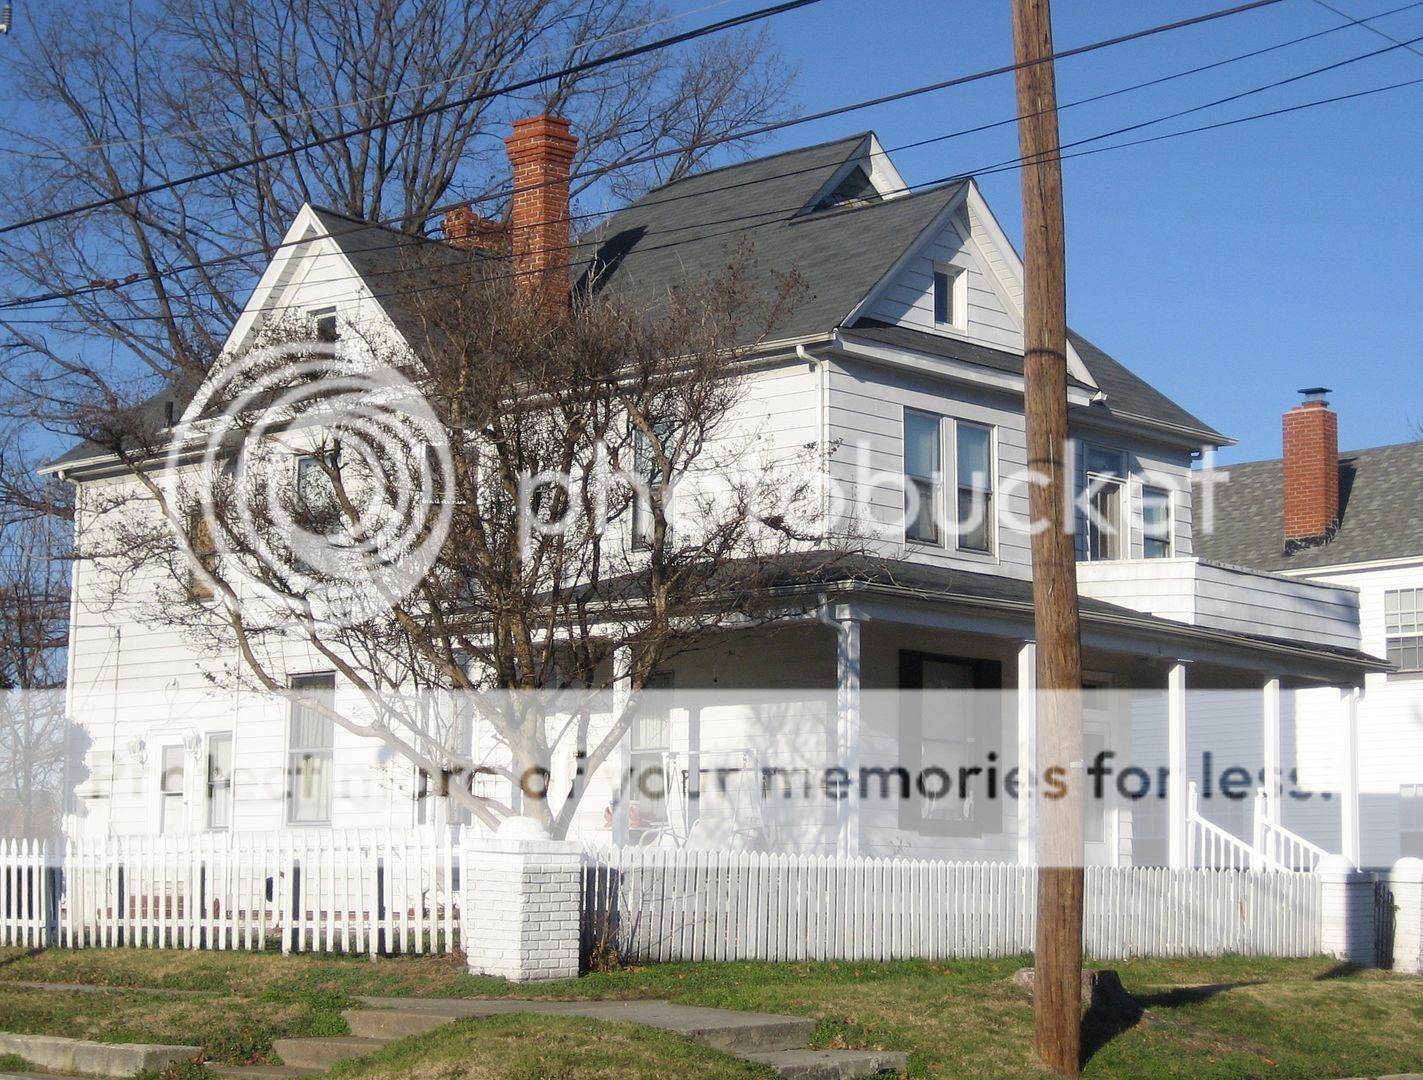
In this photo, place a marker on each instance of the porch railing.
(1279, 848)
(1209, 846)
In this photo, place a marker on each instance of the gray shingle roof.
(1130, 395)
(951, 348)
(686, 231)
(1381, 512)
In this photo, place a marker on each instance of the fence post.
(1406, 881)
(522, 900)
(1347, 911)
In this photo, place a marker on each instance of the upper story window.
(310, 742)
(1106, 486)
(1155, 523)
(928, 440)
(1403, 625)
(323, 325)
(950, 297)
(649, 469)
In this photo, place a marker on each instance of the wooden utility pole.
(1057, 1016)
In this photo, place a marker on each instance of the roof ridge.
(754, 161)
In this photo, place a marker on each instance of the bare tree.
(34, 616)
(559, 564)
(115, 97)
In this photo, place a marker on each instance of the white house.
(1349, 519)
(902, 370)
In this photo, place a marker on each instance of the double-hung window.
(927, 439)
(1155, 523)
(170, 789)
(1106, 484)
(310, 741)
(219, 780)
(1403, 625)
(648, 469)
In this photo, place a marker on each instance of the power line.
(49, 152)
(749, 133)
(431, 110)
(1011, 162)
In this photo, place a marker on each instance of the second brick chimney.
(1311, 467)
(541, 152)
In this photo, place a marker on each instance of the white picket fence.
(656, 905)
(351, 891)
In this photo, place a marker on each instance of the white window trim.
(1140, 511)
(948, 499)
(287, 775)
(1389, 637)
(155, 750)
(231, 780)
(1124, 485)
(958, 297)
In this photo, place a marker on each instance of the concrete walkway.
(778, 1042)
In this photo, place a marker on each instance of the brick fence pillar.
(522, 896)
(1346, 911)
(1406, 882)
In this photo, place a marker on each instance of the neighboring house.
(1353, 519)
(901, 369)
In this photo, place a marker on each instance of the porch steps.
(256, 1072)
(322, 1053)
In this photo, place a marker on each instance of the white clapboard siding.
(349, 891)
(656, 905)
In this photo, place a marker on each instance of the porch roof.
(1005, 606)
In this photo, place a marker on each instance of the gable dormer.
(866, 176)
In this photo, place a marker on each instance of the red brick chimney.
(464, 228)
(541, 151)
(1311, 438)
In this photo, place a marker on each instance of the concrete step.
(323, 1053)
(722, 1029)
(258, 1072)
(393, 1023)
(830, 1064)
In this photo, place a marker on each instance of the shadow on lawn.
(1113, 1014)
(26, 955)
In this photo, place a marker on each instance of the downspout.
(822, 389)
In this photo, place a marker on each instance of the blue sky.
(1230, 267)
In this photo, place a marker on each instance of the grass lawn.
(1224, 1018)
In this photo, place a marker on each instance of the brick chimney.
(541, 152)
(464, 228)
(1311, 438)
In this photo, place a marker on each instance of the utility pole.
(1057, 1015)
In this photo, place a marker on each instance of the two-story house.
(902, 371)
(1349, 519)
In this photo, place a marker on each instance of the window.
(1410, 821)
(650, 737)
(204, 551)
(973, 450)
(649, 469)
(923, 477)
(948, 743)
(309, 744)
(170, 790)
(1403, 623)
(924, 512)
(219, 791)
(323, 325)
(1106, 477)
(950, 297)
(1156, 523)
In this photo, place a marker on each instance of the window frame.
(1403, 629)
(1170, 538)
(321, 319)
(948, 536)
(211, 786)
(326, 753)
(948, 295)
(1097, 482)
(176, 796)
(645, 467)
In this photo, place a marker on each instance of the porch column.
(1027, 751)
(1176, 765)
(847, 732)
(1271, 754)
(1349, 780)
(622, 790)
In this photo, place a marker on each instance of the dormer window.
(856, 189)
(950, 297)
